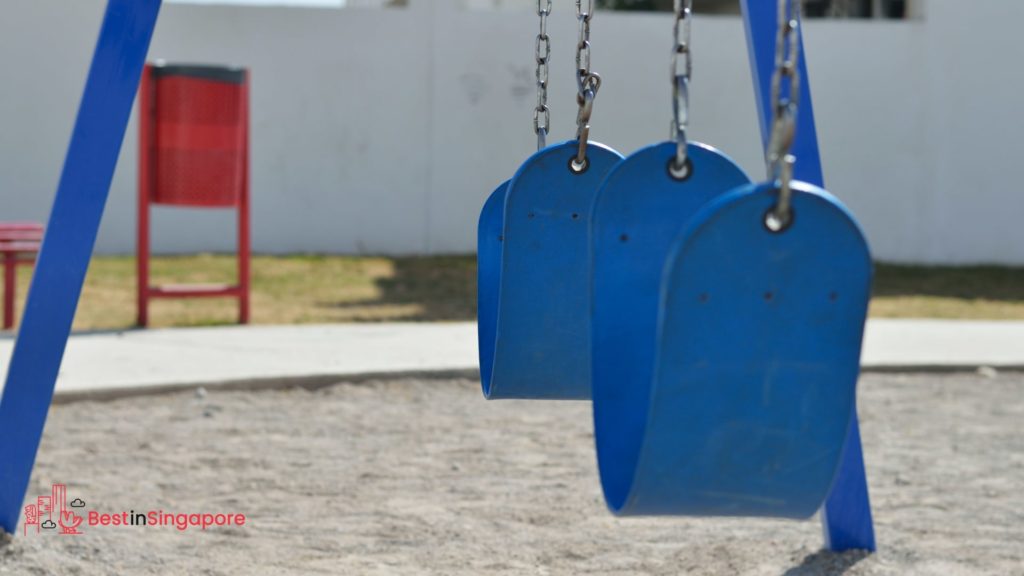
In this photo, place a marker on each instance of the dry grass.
(972, 292)
(286, 290)
(313, 289)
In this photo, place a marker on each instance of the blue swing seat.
(755, 367)
(637, 218)
(533, 291)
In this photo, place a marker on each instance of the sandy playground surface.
(425, 477)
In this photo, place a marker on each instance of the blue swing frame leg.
(846, 516)
(64, 258)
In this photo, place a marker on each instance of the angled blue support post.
(761, 19)
(64, 258)
(846, 517)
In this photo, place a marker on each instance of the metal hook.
(781, 215)
(586, 102)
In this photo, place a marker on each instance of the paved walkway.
(135, 361)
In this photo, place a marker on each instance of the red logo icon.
(41, 514)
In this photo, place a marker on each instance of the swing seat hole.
(769, 296)
(680, 173)
(777, 223)
(624, 238)
(575, 216)
(704, 297)
(579, 167)
(530, 215)
(833, 296)
(501, 237)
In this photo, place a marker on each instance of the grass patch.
(326, 289)
(969, 292)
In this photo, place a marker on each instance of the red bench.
(19, 244)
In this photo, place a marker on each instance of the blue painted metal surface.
(60, 270)
(535, 333)
(758, 354)
(761, 26)
(637, 217)
(846, 517)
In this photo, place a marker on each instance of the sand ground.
(425, 477)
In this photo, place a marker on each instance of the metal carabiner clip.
(586, 102)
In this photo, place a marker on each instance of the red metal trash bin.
(194, 152)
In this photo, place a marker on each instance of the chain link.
(587, 83)
(682, 67)
(787, 66)
(542, 53)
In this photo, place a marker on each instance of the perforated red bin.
(194, 152)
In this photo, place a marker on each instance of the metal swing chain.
(587, 84)
(787, 65)
(682, 67)
(542, 51)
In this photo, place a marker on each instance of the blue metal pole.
(64, 258)
(761, 19)
(846, 517)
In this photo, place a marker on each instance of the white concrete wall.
(382, 131)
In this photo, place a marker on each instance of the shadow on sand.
(825, 563)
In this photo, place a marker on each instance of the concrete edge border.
(310, 382)
(938, 368)
(319, 381)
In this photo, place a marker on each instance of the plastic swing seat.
(752, 387)
(534, 277)
(637, 218)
